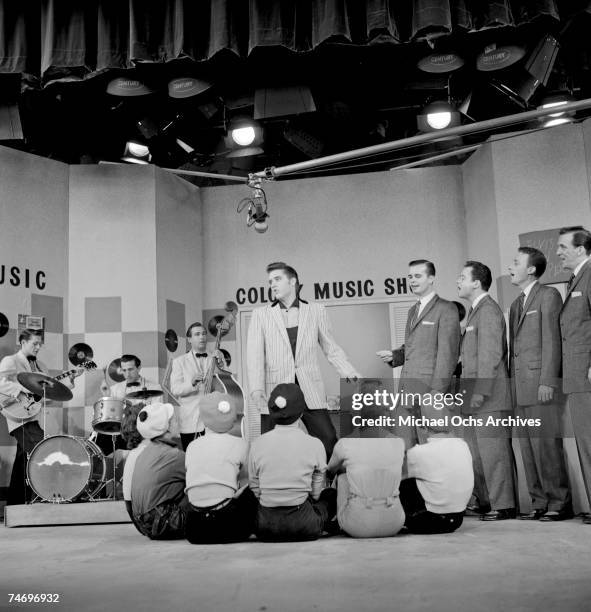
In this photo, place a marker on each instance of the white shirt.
(578, 268)
(479, 299)
(424, 301)
(527, 290)
(444, 473)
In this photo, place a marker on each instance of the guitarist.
(186, 378)
(27, 432)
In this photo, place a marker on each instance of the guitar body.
(21, 408)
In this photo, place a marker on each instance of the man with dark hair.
(133, 380)
(186, 382)
(574, 248)
(535, 360)
(485, 377)
(26, 432)
(430, 351)
(282, 348)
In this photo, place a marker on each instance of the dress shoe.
(534, 515)
(560, 515)
(476, 510)
(499, 515)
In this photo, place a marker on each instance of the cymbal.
(144, 394)
(171, 340)
(35, 382)
(114, 371)
(80, 353)
(4, 326)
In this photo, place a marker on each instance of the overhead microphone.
(257, 207)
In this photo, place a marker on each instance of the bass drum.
(65, 468)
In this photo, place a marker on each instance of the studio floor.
(511, 565)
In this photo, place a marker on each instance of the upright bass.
(217, 378)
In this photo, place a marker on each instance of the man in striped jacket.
(282, 348)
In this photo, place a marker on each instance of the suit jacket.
(184, 370)
(10, 366)
(535, 346)
(431, 347)
(575, 326)
(484, 359)
(270, 360)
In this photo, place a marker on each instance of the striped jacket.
(270, 360)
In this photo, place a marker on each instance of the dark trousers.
(27, 437)
(421, 520)
(296, 523)
(105, 443)
(234, 521)
(164, 522)
(543, 458)
(187, 438)
(317, 423)
(580, 412)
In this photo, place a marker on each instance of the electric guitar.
(28, 405)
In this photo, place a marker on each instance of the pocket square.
(576, 294)
(470, 328)
(427, 322)
(530, 312)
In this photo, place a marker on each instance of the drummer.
(27, 432)
(132, 381)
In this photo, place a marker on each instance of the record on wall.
(171, 340)
(79, 353)
(4, 326)
(114, 371)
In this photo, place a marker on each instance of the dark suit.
(429, 355)
(575, 327)
(535, 359)
(484, 372)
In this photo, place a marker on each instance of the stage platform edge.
(87, 513)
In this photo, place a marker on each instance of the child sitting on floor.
(220, 511)
(369, 464)
(287, 472)
(154, 477)
(440, 478)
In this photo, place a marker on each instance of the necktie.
(571, 280)
(416, 314)
(200, 354)
(33, 363)
(520, 305)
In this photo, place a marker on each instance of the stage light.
(243, 136)
(136, 153)
(257, 208)
(438, 116)
(127, 88)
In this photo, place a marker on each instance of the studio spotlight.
(257, 208)
(244, 138)
(136, 153)
(438, 116)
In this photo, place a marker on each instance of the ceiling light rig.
(257, 206)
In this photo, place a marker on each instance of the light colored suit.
(10, 367)
(270, 360)
(575, 326)
(431, 347)
(535, 359)
(484, 372)
(184, 369)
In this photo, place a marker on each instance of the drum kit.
(64, 468)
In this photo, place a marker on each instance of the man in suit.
(485, 378)
(535, 359)
(430, 351)
(574, 250)
(27, 432)
(282, 345)
(186, 383)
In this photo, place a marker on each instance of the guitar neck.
(65, 374)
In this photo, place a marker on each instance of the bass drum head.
(61, 468)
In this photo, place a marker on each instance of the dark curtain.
(75, 38)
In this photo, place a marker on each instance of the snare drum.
(64, 468)
(108, 415)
